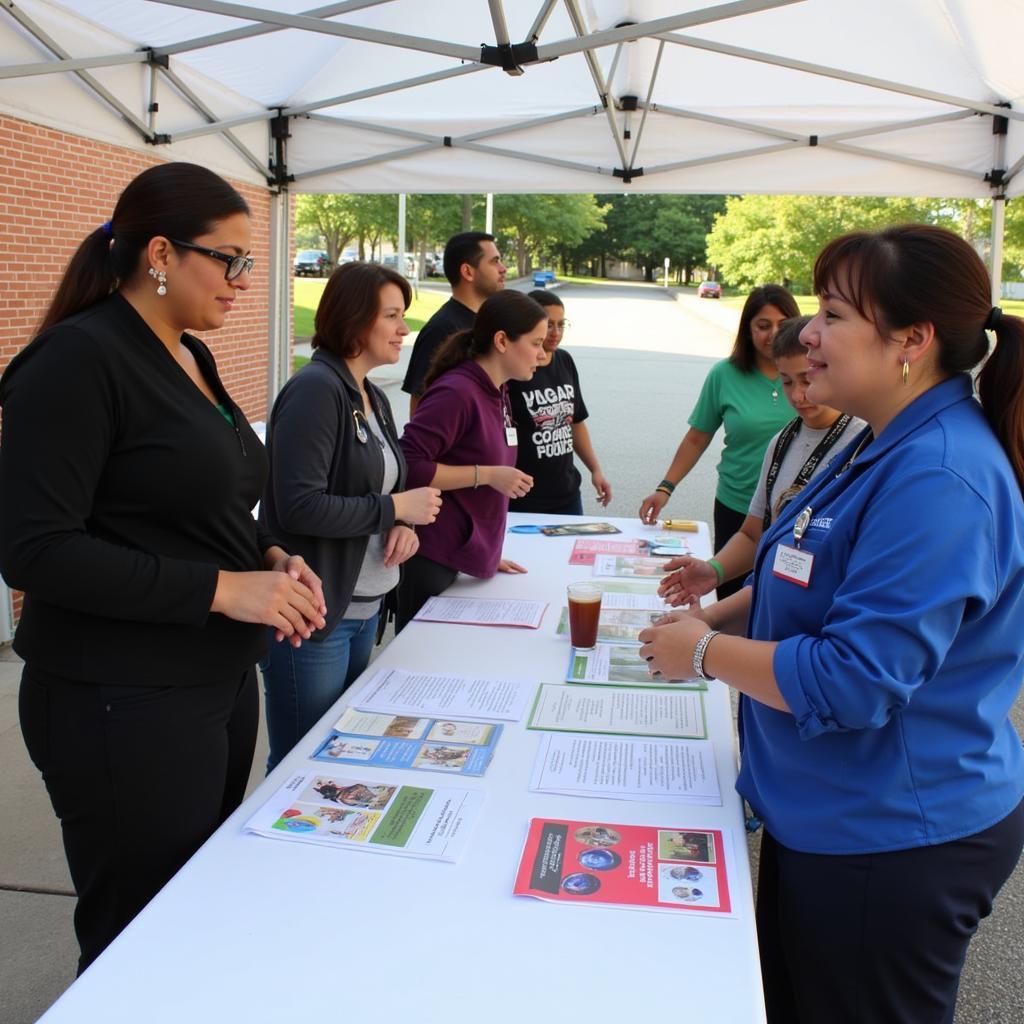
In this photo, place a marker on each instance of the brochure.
(401, 741)
(584, 551)
(363, 814)
(629, 566)
(621, 664)
(578, 529)
(676, 714)
(616, 624)
(482, 611)
(397, 692)
(630, 594)
(627, 768)
(641, 867)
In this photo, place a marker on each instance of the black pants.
(422, 578)
(727, 522)
(140, 777)
(876, 938)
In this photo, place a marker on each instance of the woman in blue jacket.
(884, 647)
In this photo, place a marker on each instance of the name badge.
(511, 437)
(793, 565)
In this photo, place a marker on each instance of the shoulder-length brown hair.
(743, 355)
(350, 304)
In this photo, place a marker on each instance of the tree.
(331, 217)
(537, 224)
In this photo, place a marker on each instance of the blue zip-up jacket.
(902, 657)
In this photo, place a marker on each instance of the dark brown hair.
(509, 311)
(176, 200)
(744, 355)
(350, 304)
(916, 273)
(545, 298)
(786, 342)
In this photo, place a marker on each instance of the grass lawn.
(307, 297)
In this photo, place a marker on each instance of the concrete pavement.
(642, 355)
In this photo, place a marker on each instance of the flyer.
(364, 814)
(677, 714)
(482, 611)
(578, 529)
(620, 625)
(621, 665)
(403, 741)
(641, 867)
(630, 566)
(584, 551)
(627, 768)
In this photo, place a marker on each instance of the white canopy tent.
(891, 97)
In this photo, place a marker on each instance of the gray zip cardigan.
(322, 498)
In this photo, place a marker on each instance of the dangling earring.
(906, 370)
(161, 280)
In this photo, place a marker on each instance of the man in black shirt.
(474, 269)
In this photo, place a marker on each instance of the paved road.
(642, 357)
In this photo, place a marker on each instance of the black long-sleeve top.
(123, 491)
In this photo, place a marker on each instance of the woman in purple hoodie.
(462, 439)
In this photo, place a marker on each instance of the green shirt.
(753, 408)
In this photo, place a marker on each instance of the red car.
(709, 290)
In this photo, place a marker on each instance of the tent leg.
(996, 247)
(489, 215)
(280, 333)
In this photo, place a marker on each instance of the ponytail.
(1001, 389)
(454, 351)
(88, 279)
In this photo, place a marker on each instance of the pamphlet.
(629, 566)
(362, 814)
(676, 714)
(640, 867)
(584, 551)
(482, 611)
(578, 529)
(621, 625)
(621, 664)
(397, 692)
(627, 768)
(401, 741)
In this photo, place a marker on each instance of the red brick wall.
(54, 189)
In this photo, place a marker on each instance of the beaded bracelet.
(699, 651)
(667, 486)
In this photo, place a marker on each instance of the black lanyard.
(786, 438)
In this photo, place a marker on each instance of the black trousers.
(422, 578)
(140, 777)
(727, 522)
(876, 938)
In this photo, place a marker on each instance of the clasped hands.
(667, 645)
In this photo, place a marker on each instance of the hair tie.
(995, 314)
(107, 229)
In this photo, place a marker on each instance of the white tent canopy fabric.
(893, 97)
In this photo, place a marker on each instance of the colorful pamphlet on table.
(584, 551)
(363, 814)
(640, 867)
(620, 665)
(404, 741)
(482, 611)
(630, 566)
(616, 625)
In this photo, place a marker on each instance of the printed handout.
(483, 611)
(578, 529)
(621, 664)
(627, 768)
(584, 551)
(640, 867)
(678, 714)
(621, 625)
(629, 566)
(403, 741)
(395, 691)
(360, 814)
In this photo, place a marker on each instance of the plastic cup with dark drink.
(584, 613)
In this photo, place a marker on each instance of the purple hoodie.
(460, 421)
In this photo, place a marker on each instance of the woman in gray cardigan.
(335, 494)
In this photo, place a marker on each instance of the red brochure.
(585, 551)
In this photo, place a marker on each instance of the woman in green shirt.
(744, 393)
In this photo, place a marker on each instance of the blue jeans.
(300, 684)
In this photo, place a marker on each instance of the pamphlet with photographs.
(620, 625)
(362, 814)
(579, 530)
(621, 665)
(585, 551)
(405, 741)
(640, 867)
(630, 566)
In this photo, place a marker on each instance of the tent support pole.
(280, 347)
(997, 179)
(489, 214)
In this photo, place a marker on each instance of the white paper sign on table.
(482, 611)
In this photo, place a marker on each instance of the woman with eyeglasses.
(127, 480)
(744, 394)
(550, 415)
(336, 494)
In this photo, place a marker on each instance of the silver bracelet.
(699, 651)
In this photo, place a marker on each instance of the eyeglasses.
(559, 325)
(236, 265)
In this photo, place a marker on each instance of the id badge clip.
(791, 563)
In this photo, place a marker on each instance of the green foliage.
(544, 224)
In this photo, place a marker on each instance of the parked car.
(409, 263)
(709, 290)
(348, 256)
(312, 263)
